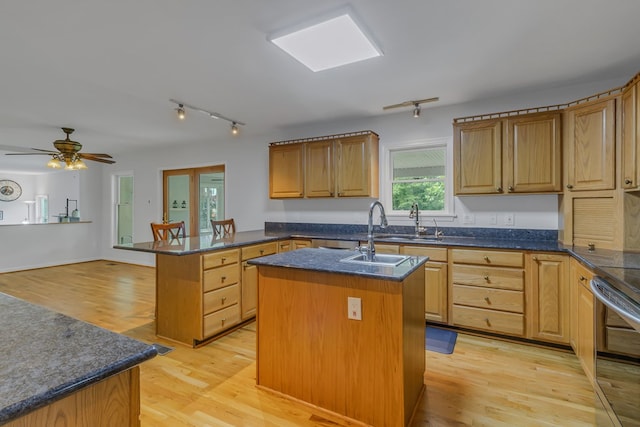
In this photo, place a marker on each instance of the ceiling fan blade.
(95, 159)
(28, 154)
(97, 155)
(23, 149)
(411, 103)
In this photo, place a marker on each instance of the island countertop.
(47, 356)
(329, 260)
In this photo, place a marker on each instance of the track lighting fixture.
(181, 115)
(180, 111)
(416, 110)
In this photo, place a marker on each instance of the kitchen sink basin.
(378, 259)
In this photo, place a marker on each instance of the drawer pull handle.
(223, 320)
(222, 260)
(486, 258)
(224, 299)
(261, 251)
(488, 322)
(486, 278)
(223, 278)
(487, 300)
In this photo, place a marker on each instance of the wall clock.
(9, 190)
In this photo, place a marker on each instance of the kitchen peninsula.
(344, 337)
(55, 368)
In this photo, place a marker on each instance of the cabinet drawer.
(220, 277)
(495, 299)
(485, 257)
(488, 277)
(259, 250)
(220, 320)
(434, 254)
(216, 259)
(489, 320)
(221, 298)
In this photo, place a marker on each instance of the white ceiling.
(108, 68)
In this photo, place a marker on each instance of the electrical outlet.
(468, 219)
(355, 308)
(509, 219)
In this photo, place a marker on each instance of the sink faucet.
(415, 214)
(370, 250)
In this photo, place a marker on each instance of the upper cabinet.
(591, 146)
(630, 102)
(285, 171)
(332, 166)
(520, 154)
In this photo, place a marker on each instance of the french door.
(195, 196)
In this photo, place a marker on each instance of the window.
(419, 172)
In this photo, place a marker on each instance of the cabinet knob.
(224, 299)
(591, 246)
(222, 321)
(486, 278)
(486, 258)
(223, 278)
(628, 181)
(487, 300)
(499, 189)
(510, 188)
(582, 278)
(222, 260)
(569, 186)
(535, 258)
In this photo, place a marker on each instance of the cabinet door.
(591, 147)
(249, 290)
(586, 330)
(319, 172)
(477, 157)
(435, 295)
(286, 178)
(357, 166)
(630, 137)
(549, 312)
(533, 154)
(300, 243)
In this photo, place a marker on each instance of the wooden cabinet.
(618, 336)
(521, 154)
(591, 146)
(435, 281)
(293, 244)
(286, 179)
(250, 276)
(335, 166)
(477, 157)
(487, 289)
(548, 311)
(630, 105)
(221, 292)
(582, 317)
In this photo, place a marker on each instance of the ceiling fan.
(415, 104)
(69, 153)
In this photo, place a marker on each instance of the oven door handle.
(616, 300)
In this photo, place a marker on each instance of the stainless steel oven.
(617, 367)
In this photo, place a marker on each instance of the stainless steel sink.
(378, 259)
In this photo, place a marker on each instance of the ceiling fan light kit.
(182, 114)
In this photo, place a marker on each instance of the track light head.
(234, 128)
(416, 110)
(180, 111)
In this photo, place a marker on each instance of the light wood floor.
(484, 382)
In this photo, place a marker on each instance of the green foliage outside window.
(429, 195)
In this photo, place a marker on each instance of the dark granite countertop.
(46, 356)
(329, 260)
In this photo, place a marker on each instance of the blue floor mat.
(440, 340)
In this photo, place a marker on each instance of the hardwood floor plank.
(485, 382)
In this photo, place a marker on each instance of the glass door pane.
(211, 199)
(178, 200)
(124, 218)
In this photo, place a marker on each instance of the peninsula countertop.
(331, 261)
(47, 356)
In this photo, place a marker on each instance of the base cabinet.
(548, 295)
(583, 317)
(250, 276)
(435, 281)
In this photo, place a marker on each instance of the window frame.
(387, 180)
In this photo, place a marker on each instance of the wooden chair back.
(169, 231)
(223, 228)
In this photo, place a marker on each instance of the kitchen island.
(57, 370)
(368, 370)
